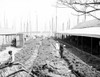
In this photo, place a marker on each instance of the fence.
(6, 39)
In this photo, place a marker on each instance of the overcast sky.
(14, 13)
(17, 12)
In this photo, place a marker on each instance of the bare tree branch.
(93, 4)
(97, 3)
(94, 16)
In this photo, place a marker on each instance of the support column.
(77, 41)
(91, 45)
(99, 48)
(82, 43)
(3, 40)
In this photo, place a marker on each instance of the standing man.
(61, 50)
(13, 42)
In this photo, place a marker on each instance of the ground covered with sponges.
(39, 58)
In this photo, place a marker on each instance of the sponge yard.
(50, 38)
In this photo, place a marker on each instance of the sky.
(14, 13)
(37, 14)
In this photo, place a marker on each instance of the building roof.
(89, 29)
(87, 24)
(7, 31)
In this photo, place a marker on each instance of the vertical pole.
(91, 45)
(68, 24)
(77, 41)
(84, 9)
(24, 27)
(30, 26)
(6, 39)
(78, 19)
(52, 25)
(3, 39)
(21, 26)
(98, 47)
(27, 27)
(56, 19)
(37, 22)
(45, 27)
(82, 42)
(62, 26)
(4, 21)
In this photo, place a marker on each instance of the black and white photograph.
(49, 38)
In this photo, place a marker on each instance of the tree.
(83, 7)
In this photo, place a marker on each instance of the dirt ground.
(84, 56)
(40, 58)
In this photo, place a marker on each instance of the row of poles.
(28, 24)
(27, 27)
(53, 28)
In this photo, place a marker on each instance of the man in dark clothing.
(61, 50)
(13, 42)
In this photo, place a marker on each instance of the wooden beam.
(91, 45)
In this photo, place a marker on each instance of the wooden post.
(91, 45)
(37, 22)
(62, 26)
(52, 26)
(24, 27)
(56, 19)
(77, 41)
(3, 39)
(99, 48)
(82, 43)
